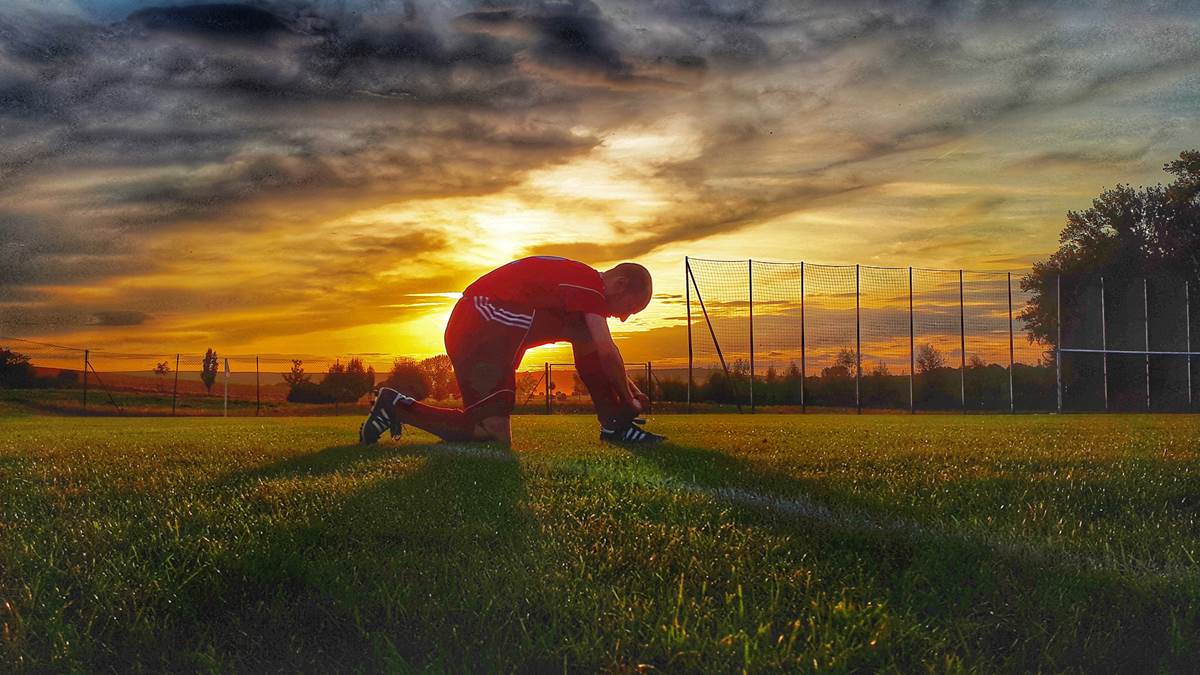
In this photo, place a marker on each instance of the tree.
(161, 370)
(976, 362)
(880, 370)
(441, 376)
(929, 359)
(347, 383)
(845, 364)
(527, 383)
(15, 369)
(409, 378)
(208, 370)
(296, 375)
(1127, 233)
(846, 358)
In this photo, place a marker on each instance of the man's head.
(627, 288)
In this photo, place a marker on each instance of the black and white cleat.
(382, 417)
(631, 433)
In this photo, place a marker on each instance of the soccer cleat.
(631, 433)
(382, 417)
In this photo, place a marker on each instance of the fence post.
(175, 388)
(750, 280)
(85, 377)
(1104, 343)
(803, 347)
(257, 389)
(1012, 404)
(687, 292)
(225, 407)
(912, 349)
(1146, 326)
(1058, 343)
(548, 375)
(649, 386)
(1187, 322)
(962, 344)
(857, 340)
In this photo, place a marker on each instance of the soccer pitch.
(800, 543)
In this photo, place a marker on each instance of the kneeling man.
(526, 303)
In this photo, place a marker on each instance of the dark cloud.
(220, 20)
(119, 317)
(36, 252)
(578, 38)
(741, 47)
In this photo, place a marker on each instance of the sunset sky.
(322, 177)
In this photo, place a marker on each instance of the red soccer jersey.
(545, 282)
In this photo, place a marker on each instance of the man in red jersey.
(526, 303)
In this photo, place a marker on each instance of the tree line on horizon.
(936, 385)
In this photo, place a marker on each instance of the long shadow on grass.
(1016, 610)
(423, 561)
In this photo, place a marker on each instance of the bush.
(308, 392)
(409, 378)
(347, 384)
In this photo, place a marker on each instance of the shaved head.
(628, 288)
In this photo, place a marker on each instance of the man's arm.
(610, 358)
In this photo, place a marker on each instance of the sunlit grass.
(941, 543)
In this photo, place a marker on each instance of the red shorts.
(485, 340)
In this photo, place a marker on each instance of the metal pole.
(912, 349)
(85, 378)
(1012, 403)
(1058, 343)
(548, 375)
(1146, 326)
(857, 340)
(175, 389)
(225, 408)
(712, 332)
(687, 292)
(803, 350)
(962, 346)
(750, 281)
(257, 389)
(1187, 322)
(1104, 342)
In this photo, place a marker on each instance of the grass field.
(841, 543)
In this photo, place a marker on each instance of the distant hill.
(241, 385)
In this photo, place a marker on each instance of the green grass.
(801, 543)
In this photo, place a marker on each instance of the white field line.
(801, 507)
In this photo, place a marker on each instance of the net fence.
(858, 336)
(1129, 344)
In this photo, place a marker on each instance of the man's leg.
(451, 424)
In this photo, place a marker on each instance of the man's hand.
(642, 400)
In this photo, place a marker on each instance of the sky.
(323, 177)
